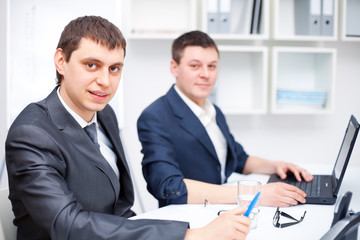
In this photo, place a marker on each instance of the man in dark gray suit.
(68, 176)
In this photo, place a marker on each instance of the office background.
(30, 29)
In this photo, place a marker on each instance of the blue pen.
(252, 205)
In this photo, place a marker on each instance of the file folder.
(212, 16)
(256, 17)
(307, 17)
(327, 18)
(353, 18)
(225, 16)
(241, 16)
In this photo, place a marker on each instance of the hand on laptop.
(281, 195)
(282, 169)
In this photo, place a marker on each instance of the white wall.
(3, 87)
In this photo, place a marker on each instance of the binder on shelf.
(222, 18)
(314, 98)
(256, 17)
(307, 17)
(327, 18)
(353, 19)
(225, 16)
(241, 16)
(212, 16)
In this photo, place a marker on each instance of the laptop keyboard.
(310, 188)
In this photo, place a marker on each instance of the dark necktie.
(91, 131)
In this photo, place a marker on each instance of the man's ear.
(174, 68)
(59, 60)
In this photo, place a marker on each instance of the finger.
(281, 172)
(308, 177)
(243, 224)
(242, 229)
(236, 211)
(292, 188)
(289, 201)
(296, 171)
(294, 193)
(297, 195)
(239, 235)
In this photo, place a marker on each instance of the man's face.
(196, 73)
(90, 78)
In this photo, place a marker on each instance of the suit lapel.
(75, 135)
(189, 121)
(110, 127)
(223, 127)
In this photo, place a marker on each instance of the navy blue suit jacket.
(61, 187)
(176, 145)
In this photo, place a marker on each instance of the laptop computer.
(324, 188)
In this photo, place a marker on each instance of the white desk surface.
(315, 224)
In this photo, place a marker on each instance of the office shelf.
(351, 20)
(305, 20)
(167, 19)
(244, 69)
(242, 82)
(238, 16)
(305, 72)
(159, 19)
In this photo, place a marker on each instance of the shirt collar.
(205, 115)
(78, 119)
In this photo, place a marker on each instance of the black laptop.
(324, 188)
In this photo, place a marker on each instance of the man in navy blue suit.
(187, 145)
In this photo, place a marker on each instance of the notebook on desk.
(324, 188)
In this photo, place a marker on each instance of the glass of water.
(247, 190)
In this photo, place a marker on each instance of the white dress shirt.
(207, 117)
(103, 140)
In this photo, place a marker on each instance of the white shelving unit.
(351, 20)
(159, 19)
(242, 81)
(305, 72)
(167, 19)
(305, 20)
(239, 19)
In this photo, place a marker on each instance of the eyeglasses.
(206, 203)
(279, 213)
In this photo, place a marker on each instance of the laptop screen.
(344, 153)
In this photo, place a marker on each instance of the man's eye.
(91, 65)
(114, 69)
(194, 66)
(212, 66)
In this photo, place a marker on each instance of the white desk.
(315, 224)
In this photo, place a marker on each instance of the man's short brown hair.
(95, 28)
(193, 38)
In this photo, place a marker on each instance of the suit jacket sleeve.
(38, 187)
(160, 168)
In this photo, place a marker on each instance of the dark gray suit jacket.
(60, 185)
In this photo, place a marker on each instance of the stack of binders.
(234, 16)
(314, 17)
(308, 98)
